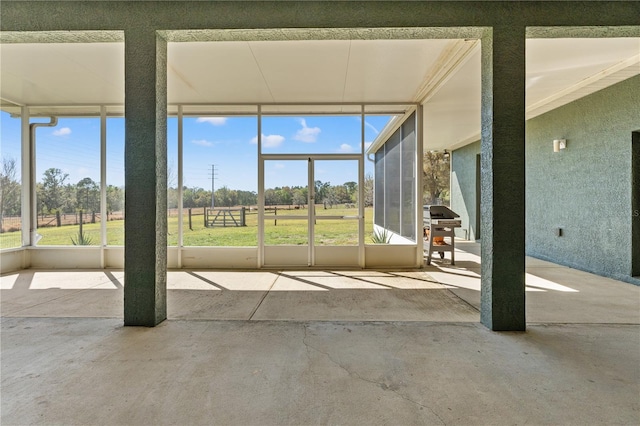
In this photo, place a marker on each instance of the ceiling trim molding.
(464, 142)
(393, 125)
(5, 102)
(450, 60)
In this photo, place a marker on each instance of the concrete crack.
(355, 375)
(264, 296)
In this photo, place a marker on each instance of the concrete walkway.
(554, 293)
(248, 295)
(320, 347)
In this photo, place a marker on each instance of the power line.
(213, 175)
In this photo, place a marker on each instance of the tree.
(88, 195)
(172, 176)
(172, 198)
(226, 197)
(436, 176)
(368, 190)
(172, 186)
(271, 197)
(247, 198)
(300, 196)
(53, 190)
(341, 194)
(352, 189)
(196, 197)
(331, 196)
(115, 198)
(285, 195)
(69, 198)
(188, 197)
(9, 190)
(321, 190)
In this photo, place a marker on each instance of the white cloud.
(216, 121)
(269, 141)
(367, 145)
(279, 166)
(307, 134)
(369, 125)
(345, 147)
(202, 142)
(62, 132)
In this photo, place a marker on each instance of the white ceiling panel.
(453, 113)
(389, 70)
(214, 72)
(300, 71)
(72, 73)
(297, 71)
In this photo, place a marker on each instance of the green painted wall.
(585, 190)
(463, 189)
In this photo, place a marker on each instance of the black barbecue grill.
(439, 225)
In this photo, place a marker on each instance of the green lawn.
(62, 236)
(327, 232)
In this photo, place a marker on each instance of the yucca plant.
(82, 239)
(381, 237)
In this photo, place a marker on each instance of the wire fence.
(56, 229)
(11, 226)
(10, 230)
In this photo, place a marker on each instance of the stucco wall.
(585, 189)
(463, 189)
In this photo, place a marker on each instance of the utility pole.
(213, 184)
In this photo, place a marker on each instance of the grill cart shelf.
(439, 226)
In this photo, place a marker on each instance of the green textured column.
(635, 204)
(145, 255)
(503, 179)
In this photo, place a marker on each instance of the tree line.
(278, 196)
(56, 194)
(9, 188)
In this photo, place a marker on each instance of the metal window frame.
(28, 167)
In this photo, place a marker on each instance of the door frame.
(311, 216)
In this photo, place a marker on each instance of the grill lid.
(439, 212)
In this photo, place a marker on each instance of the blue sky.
(227, 142)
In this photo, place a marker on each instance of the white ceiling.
(62, 74)
(73, 78)
(299, 71)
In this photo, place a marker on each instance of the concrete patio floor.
(320, 347)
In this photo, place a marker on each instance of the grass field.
(290, 232)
